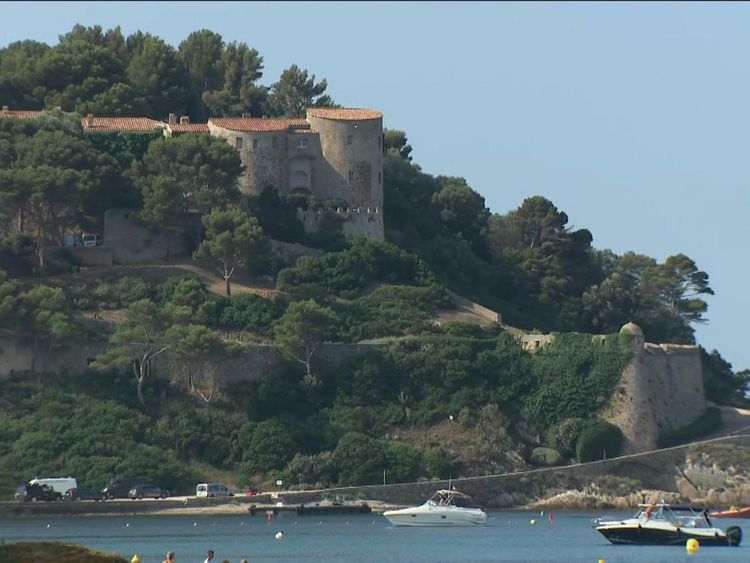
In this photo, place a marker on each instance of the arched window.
(299, 178)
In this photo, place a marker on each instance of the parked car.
(36, 493)
(57, 484)
(212, 490)
(147, 491)
(119, 488)
(80, 493)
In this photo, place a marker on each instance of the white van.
(212, 490)
(58, 484)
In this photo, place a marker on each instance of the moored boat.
(664, 524)
(444, 508)
(733, 512)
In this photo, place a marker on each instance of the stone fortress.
(334, 153)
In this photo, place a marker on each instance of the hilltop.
(281, 292)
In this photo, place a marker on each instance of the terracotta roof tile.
(188, 127)
(19, 114)
(258, 124)
(344, 114)
(115, 124)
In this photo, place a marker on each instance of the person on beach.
(209, 556)
(170, 557)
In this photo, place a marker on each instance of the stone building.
(332, 153)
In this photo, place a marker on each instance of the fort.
(333, 153)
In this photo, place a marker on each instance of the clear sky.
(631, 117)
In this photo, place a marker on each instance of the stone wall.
(17, 356)
(661, 389)
(362, 221)
(92, 255)
(257, 361)
(132, 242)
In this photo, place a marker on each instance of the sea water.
(507, 537)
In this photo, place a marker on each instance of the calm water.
(507, 537)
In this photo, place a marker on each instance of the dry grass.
(54, 552)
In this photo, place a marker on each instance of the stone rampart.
(133, 242)
(362, 221)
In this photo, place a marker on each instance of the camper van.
(58, 484)
(212, 490)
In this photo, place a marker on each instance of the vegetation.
(707, 422)
(152, 404)
(33, 552)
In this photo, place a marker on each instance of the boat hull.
(435, 518)
(742, 513)
(648, 536)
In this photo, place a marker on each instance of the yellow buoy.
(692, 545)
(601, 561)
(135, 559)
(532, 521)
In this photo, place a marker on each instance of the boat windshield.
(452, 498)
(680, 516)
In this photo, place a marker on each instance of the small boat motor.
(734, 535)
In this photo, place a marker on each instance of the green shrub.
(546, 457)
(59, 260)
(706, 423)
(564, 435)
(599, 440)
(250, 312)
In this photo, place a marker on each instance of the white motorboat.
(444, 508)
(664, 524)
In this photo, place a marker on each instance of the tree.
(396, 141)
(294, 92)
(44, 318)
(462, 211)
(190, 348)
(202, 52)
(675, 287)
(190, 172)
(159, 78)
(232, 237)
(302, 329)
(137, 342)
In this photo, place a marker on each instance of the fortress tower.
(333, 153)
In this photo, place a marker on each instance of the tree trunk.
(21, 220)
(140, 375)
(229, 289)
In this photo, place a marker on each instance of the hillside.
(265, 305)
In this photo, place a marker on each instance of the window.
(299, 178)
(238, 142)
(303, 143)
(351, 176)
(380, 177)
(255, 144)
(349, 139)
(273, 142)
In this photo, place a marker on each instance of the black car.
(147, 491)
(83, 494)
(36, 493)
(119, 488)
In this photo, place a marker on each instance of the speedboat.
(664, 524)
(444, 508)
(733, 512)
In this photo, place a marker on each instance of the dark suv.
(147, 491)
(119, 488)
(34, 493)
